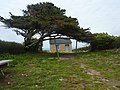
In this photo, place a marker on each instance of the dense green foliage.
(116, 43)
(102, 41)
(11, 47)
(45, 20)
(42, 71)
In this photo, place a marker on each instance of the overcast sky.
(99, 15)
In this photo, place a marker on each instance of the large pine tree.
(44, 20)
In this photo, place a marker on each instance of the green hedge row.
(11, 47)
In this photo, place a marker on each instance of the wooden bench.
(4, 63)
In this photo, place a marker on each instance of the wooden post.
(56, 49)
(76, 46)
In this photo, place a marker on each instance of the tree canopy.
(45, 20)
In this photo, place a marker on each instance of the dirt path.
(97, 76)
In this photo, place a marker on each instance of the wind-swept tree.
(43, 20)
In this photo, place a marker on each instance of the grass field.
(80, 71)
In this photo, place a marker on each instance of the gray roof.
(60, 41)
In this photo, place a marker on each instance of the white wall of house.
(61, 48)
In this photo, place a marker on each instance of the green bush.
(116, 43)
(101, 41)
(11, 47)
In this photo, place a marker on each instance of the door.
(66, 48)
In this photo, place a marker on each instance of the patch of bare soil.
(93, 72)
(67, 56)
(61, 58)
(115, 84)
(90, 71)
(83, 66)
(5, 80)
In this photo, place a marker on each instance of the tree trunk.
(26, 43)
(34, 46)
(40, 46)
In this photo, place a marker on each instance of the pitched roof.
(60, 41)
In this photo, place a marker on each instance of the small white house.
(62, 45)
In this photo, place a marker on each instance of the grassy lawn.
(81, 71)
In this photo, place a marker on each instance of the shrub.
(101, 41)
(116, 43)
(11, 47)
